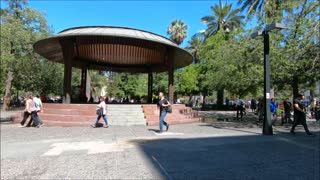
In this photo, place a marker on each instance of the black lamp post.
(267, 121)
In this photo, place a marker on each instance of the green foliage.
(232, 64)
(226, 60)
(295, 51)
(195, 45)
(98, 81)
(187, 80)
(20, 28)
(160, 82)
(127, 85)
(270, 9)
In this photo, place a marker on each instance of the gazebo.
(117, 49)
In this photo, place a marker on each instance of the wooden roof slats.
(115, 49)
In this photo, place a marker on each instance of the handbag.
(100, 111)
(169, 109)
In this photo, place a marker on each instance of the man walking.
(163, 104)
(299, 115)
(240, 104)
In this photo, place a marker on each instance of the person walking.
(299, 115)
(287, 110)
(163, 104)
(30, 110)
(273, 109)
(101, 112)
(38, 106)
(317, 111)
(240, 108)
(253, 105)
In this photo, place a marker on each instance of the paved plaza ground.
(216, 150)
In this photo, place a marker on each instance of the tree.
(232, 65)
(20, 28)
(298, 56)
(187, 80)
(98, 81)
(223, 18)
(127, 85)
(195, 45)
(177, 31)
(269, 8)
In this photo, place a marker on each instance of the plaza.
(219, 150)
(198, 67)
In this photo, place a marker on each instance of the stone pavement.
(219, 150)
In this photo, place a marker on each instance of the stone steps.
(125, 115)
(85, 115)
(117, 115)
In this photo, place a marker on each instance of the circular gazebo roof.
(117, 49)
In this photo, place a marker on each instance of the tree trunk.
(190, 97)
(220, 93)
(295, 86)
(7, 96)
(204, 102)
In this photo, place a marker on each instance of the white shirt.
(38, 103)
(240, 102)
(103, 105)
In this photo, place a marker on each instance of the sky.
(154, 16)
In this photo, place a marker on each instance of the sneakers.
(310, 134)
(167, 127)
(106, 126)
(92, 125)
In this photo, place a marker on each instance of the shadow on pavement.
(154, 130)
(235, 157)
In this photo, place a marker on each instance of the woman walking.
(163, 104)
(101, 112)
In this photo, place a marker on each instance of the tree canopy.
(225, 57)
(21, 26)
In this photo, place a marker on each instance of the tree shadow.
(234, 157)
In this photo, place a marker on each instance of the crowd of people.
(33, 105)
(298, 106)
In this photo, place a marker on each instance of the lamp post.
(267, 121)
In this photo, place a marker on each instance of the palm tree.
(195, 44)
(177, 31)
(223, 18)
(254, 6)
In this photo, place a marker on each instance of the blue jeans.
(104, 118)
(162, 122)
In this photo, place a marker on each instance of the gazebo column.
(83, 83)
(150, 83)
(68, 54)
(171, 81)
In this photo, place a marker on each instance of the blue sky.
(154, 16)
